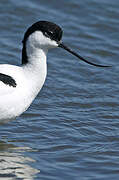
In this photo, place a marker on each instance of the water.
(71, 130)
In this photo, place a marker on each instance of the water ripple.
(72, 126)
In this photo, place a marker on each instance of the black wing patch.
(8, 80)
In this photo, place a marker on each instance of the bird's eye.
(48, 34)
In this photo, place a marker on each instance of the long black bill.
(80, 57)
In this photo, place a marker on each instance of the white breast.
(15, 100)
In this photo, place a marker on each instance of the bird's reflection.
(13, 164)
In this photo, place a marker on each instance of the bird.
(19, 85)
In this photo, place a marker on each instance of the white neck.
(36, 68)
(36, 54)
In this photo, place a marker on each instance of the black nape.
(24, 55)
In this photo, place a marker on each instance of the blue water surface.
(71, 130)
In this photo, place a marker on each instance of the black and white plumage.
(19, 85)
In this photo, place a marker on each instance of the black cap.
(49, 29)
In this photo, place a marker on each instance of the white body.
(29, 78)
